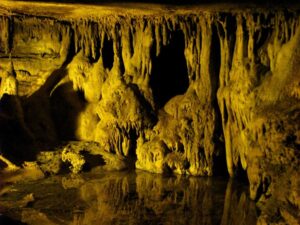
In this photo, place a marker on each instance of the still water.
(135, 198)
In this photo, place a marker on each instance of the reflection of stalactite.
(227, 204)
(238, 208)
(135, 198)
(167, 200)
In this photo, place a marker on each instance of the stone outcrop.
(189, 90)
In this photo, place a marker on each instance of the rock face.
(183, 90)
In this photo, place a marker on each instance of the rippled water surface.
(128, 198)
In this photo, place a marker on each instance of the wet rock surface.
(129, 198)
(193, 90)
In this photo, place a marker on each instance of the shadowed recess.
(169, 72)
(108, 53)
(66, 105)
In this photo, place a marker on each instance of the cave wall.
(101, 81)
(178, 92)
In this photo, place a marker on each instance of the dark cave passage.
(219, 159)
(16, 142)
(66, 104)
(108, 53)
(169, 71)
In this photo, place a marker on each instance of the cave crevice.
(169, 75)
(66, 104)
(108, 53)
(225, 112)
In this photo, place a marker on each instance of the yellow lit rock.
(192, 90)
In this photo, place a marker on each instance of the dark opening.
(261, 38)
(243, 125)
(246, 37)
(169, 71)
(231, 31)
(80, 95)
(97, 43)
(131, 158)
(131, 44)
(10, 34)
(264, 130)
(241, 174)
(219, 158)
(291, 141)
(108, 53)
(121, 66)
(215, 64)
(92, 161)
(16, 143)
(225, 112)
(66, 105)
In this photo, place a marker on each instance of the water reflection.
(133, 198)
(238, 209)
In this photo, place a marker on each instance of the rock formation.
(186, 90)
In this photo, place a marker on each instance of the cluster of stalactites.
(89, 36)
(247, 41)
(248, 55)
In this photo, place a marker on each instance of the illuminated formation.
(189, 91)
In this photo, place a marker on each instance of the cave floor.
(128, 197)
